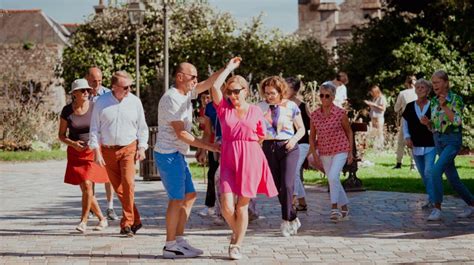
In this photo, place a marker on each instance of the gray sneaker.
(111, 215)
(468, 212)
(427, 205)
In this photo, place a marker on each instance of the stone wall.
(34, 63)
(332, 23)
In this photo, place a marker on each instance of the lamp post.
(166, 73)
(136, 13)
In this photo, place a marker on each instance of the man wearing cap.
(118, 126)
(94, 78)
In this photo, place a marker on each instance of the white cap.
(80, 84)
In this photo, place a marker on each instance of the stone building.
(332, 23)
(31, 46)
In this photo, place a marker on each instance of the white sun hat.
(79, 84)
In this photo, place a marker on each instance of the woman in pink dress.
(244, 169)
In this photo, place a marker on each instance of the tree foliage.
(199, 35)
(413, 38)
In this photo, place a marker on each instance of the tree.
(199, 35)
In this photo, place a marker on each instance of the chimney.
(99, 9)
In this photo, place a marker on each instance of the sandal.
(336, 215)
(345, 215)
(301, 208)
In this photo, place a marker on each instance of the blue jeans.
(447, 147)
(424, 164)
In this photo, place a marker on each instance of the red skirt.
(81, 167)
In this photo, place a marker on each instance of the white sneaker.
(176, 252)
(207, 211)
(185, 244)
(81, 227)
(435, 215)
(101, 225)
(295, 225)
(234, 252)
(468, 212)
(285, 228)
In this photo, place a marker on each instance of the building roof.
(71, 27)
(31, 25)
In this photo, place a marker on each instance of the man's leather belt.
(113, 146)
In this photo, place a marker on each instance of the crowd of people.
(251, 149)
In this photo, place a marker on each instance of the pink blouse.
(330, 134)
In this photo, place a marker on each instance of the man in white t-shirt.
(406, 96)
(174, 138)
(341, 81)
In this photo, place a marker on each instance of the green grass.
(32, 155)
(382, 177)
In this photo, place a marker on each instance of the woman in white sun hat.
(81, 169)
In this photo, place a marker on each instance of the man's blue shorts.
(175, 174)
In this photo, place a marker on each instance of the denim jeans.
(424, 164)
(447, 147)
(299, 187)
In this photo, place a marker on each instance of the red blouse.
(330, 134)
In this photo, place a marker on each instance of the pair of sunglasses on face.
(84, 90)
(326, 96)
(233, 91)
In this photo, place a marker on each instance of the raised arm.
(219, 81)
(207, 84)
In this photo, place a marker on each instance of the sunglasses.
(324, 96)
(193, 77)
(233, 91)
(125, 87)
(83, 90)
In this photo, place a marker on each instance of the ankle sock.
(170, 243)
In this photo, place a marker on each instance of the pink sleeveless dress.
(244, 168)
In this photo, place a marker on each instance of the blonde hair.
(275, 81)
(237, 79)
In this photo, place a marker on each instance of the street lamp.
(166, 74)
(136, 13)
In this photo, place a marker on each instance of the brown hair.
(275, 81)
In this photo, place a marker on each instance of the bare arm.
(216, 92)
(348, 131)
(206, 138)
(78, 145)
(298, 123)
(183, 135)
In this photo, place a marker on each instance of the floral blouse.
(440, 120)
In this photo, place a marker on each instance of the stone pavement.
(38, 214)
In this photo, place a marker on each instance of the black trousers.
(211, 189)
(282, 163)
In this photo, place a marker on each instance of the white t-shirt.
(341, 95)
(173, 106)
(406, 96)
(375, 112)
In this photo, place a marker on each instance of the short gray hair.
(441, 74)
(329, 86)
(425, 83)
(120, 74)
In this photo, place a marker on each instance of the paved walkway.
(38, 214)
